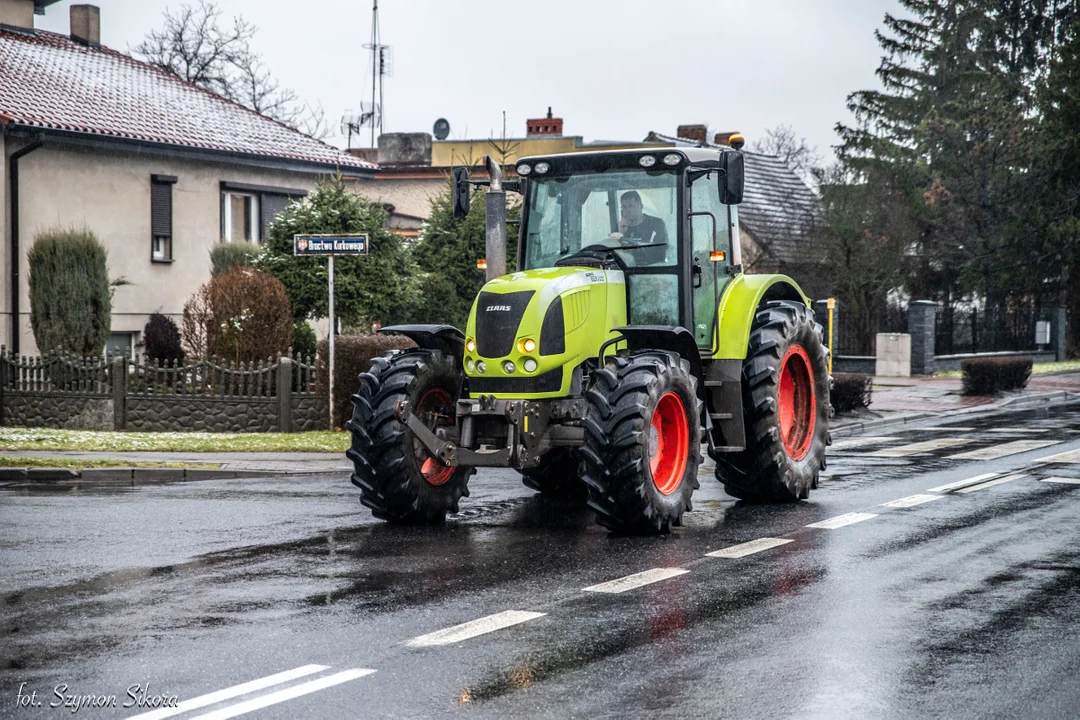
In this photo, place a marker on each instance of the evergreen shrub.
(70, 296)
(161, 340)
(851, 391)
(227, 255)
(989, 376)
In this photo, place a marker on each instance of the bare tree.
(198, 45)
(785, 144)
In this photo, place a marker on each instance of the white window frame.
(164, 252)
(227, 196)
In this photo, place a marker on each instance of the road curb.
(132, 475)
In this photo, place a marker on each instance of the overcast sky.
(612, 69)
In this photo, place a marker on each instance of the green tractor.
(628, 337)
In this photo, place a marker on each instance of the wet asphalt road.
(966, 605)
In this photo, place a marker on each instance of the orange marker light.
(717, 256)
(481, 264)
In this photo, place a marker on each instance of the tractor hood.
(528, 330)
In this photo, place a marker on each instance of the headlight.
(527, 345)
(542, 167)
(508, 367)
(524, 169)
(470, 365)
(470, 345)
(646, 161)
(672, 159)
(529, 365)
(481, 366)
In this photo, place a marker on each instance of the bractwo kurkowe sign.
(330, 245)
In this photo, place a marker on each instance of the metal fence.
(962, 330)
(856, 333)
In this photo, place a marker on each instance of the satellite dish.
(441, 131)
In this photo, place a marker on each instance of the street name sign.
(330, 245)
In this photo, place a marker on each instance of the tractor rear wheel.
(642, 442)
(785, 385)
(557, 476)
(398, 479)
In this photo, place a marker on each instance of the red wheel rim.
(435, 405)
(796, 404)
(669, 443)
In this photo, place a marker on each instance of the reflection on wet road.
(934, 573)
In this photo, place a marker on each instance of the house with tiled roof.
(159, 169)
(778, 213)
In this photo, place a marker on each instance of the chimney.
(17, 14)
(86, 25)
(544, 126)
(723, 138)
(697, 133)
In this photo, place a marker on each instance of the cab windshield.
(627, 209)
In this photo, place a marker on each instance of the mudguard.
(740, 302)
(445, 338)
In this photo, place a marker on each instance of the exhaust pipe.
(495, 221)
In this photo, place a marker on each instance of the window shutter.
(271, 205)
(161, 209)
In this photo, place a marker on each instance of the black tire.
(621, 405)
(776, 467)
(388, 461)
(557, 476)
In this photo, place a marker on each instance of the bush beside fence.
(352, 356)
(851, 391)
(989, 376)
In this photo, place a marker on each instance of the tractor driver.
(637, 228)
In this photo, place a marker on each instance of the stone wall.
(179, 413)
(309, 413)
(58, 410)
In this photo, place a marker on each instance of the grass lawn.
(93, 441)
(1036, 369)
(75, 464)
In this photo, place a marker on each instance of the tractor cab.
(667, 219)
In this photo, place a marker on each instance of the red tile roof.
(49, 81)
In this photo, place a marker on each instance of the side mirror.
(731, 180)
(459, 196)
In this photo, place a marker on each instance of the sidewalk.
(900, 400)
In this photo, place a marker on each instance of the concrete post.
(284, 394)
(1058, 327)
(922, 323)
(118, 377)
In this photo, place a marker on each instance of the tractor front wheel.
(398, 479)
(642, 442)
(785, 382)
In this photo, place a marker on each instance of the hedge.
(352, 356)
(989, 376)
(851, 391)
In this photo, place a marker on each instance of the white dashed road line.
(963, 483)
(1063, 480)
(287, 694)
(636, 580)
(911, 501)
(994, 452)
(473, 628)
(748, 548)
(861, 442)
(842, 521)
(919, 447)
(231, 692)
(990, 483)
(1072, 456)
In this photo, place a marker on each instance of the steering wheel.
(595, 255)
